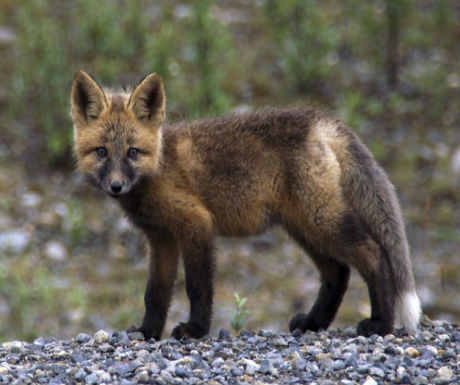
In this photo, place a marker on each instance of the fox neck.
(138, 204)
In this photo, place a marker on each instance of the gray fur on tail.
(370, 193)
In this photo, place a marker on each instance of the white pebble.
(101, 336)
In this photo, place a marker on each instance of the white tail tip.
(408, 310)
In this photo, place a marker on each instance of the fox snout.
(115, 188)
(116, 184)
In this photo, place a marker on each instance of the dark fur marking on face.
(128, 170)
(104, 169)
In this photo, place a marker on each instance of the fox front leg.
(164, 256)
(197, 254)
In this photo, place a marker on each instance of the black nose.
(116, 186)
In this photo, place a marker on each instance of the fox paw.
(189, 330)
(147, 334)
(368, 326)
(303, 322)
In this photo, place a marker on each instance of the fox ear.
(88, 100)
(147, 102)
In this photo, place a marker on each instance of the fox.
(183, 184)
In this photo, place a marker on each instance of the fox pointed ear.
(147, 102)
(88, 100)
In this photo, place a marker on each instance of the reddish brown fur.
(237, 176)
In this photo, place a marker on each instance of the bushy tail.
(372, 196)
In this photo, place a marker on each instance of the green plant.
(40, 80)
(304, 37)
(74, 224)
(239, 316)
(209, 55)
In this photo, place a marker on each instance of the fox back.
(237, 175)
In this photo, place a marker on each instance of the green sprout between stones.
(239, 316)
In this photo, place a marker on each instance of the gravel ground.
(431, 356)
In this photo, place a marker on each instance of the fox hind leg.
(382, 296)
(334, 282)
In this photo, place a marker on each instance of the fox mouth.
(116, 190)
(117, 194)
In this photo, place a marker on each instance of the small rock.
(297, 333)
(300, 365)
(83, 338)
(429, 352)
(55, 251)
(236, 372)
(265, 333)
(91, 379)
(181, 371)
(124, 381)
(411, 352)
(370, 381)
(280, 343)
(420, 380)
(80, 375)
(106, 348)
(142, 377)
(101, 336)
(104, 378)
(76, 358)
(217, 362)
(224, 334)
(143, 355)
(363, 368)
(14, 241)
(265, 367)
(136, 336)
(123, 338)
(31, 199)
(375, 371)
(251, 366)
(444, 338)
(445, 373)
(208, 355)
(15, 347)
(323, 357)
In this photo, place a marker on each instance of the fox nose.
(116, 186)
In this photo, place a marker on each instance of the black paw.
(147, 333)
(189, 330)
(303, 322)
(368, 326)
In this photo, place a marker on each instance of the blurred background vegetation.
(390, 69)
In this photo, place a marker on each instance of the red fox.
(238, 175)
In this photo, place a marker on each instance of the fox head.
(117, 134)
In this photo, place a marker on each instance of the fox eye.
(101, 152)
(132, 153)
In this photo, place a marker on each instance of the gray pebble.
(224, 334)
(80, 375)
(265, 333)
(376, 372)
(181, 371)
(136, 336)
(123, 338)
(265, 367)
(82, 338)
(91, 379)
